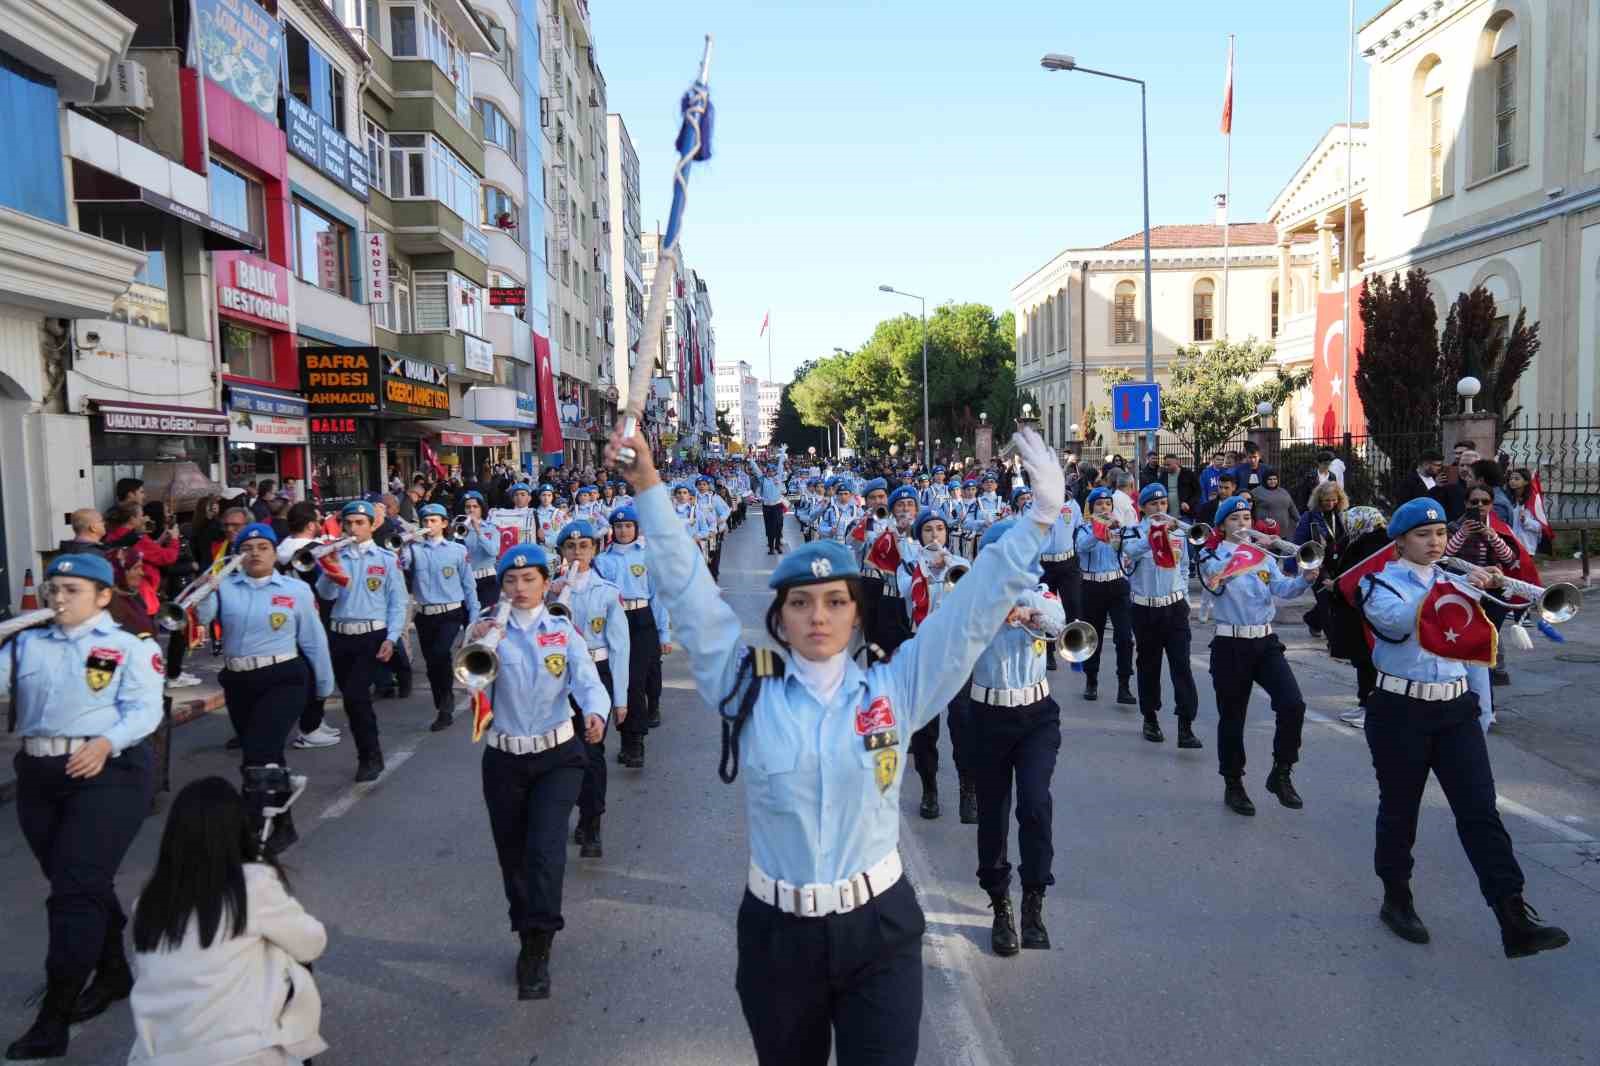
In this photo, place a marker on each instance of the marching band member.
(533, 764)
(885, 621)
(1160, 586)
(1105, 594)
(939, 490)
(521, 515)
(924, 491)
(1245, 580)
(830, 933)
(367, 622)
(1016, 732)
(627, 565)
(715, 512)
(447, 600)
(595, 606)
(809, 508)
(769, 487)
(586, 505)
(694, 522)
(621, 498)
(552, 517)
(483, 548)
(1423, 717)
(841, 514)
(274, 645)
(85, 695)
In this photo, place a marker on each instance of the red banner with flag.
(549, 412)
(1349, 583)
(1452, 625)
(885, 552)
(430, 458)
(1161, 549)
(919, 594)
(1329, 387)
(482, 714)
(1244, 557)
(1227, 93)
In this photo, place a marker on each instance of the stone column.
(1480, 427)
(1285, 308)
(1325, 279)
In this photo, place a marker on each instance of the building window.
(149, 299)
(321, 249)
(446, 301)
(395, 315)
(1273, 330)
(1205, 291)
(377, 139)
(1436, 136)
(248, 352)
(420, 32)
(497, 129)
(238, 200)
(403, 31)
(1505, 109)
(499, 209)
(1125, 324)
(313, 78)
(421, 167)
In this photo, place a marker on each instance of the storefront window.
(321, 249)
(250, 462)
(247, 352)
(339, 474)
(238, 200)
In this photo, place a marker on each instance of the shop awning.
(463, 434)
(159, 418)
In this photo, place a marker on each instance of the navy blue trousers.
(264, 705)
(436, 633)
(1105, 601)
(1237, 664)
(1158, 631)
(644, 672)
(592, 796)
(355, 665)
(530, 800)
(1015, 747)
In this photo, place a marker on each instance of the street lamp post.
(924, 303)
(1056, 61)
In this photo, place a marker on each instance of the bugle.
(1555, 604)
(477, 662)
(1308, 555)
(12, 626)
(305, 560)
(1075, 643)
(173, 615)
(1196, 533)
(461, 527)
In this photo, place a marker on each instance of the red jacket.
(155, 555)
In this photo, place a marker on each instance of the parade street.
(1182, 933)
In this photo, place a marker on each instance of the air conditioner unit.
(127, 87)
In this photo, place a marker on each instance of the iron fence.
(1565, 455)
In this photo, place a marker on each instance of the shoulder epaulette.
(766, 663)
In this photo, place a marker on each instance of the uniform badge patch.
(875, 717)
(1038, 646)
(1266, 578)
(597, 624)
(374, 584)
(378, 569)
(637, 570)
(885, 763)
(887, 738)
(157, 663)
(449, 571)
(276, 619)
(555, 663)
(101, 665)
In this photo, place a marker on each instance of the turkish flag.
(1452, 625)
(1102, 530)
(1161, 549)
(1329, 385)
(885, 551)
(1349, 583)
(919, 594)
(1244, 558)
(482, 714)
(510, 536)
(549, 414)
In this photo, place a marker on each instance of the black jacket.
(1412, 488)
(81, 547)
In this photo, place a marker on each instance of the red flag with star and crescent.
(1162, 549)
(1452, 625)
(919, 594)
(885, 552)
(482, 714)
(1349, 583)
(1244, 557)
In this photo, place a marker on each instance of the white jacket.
(230, 1002)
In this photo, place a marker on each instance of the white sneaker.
(319, 737)
(183, 680)
(1356, 717)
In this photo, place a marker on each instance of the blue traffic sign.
(1136, 407)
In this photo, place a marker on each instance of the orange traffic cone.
(30, 595)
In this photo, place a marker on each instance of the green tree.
(1400, 374)
(789, 428)
(1210, 397)
(1476, 343)
(724, 423)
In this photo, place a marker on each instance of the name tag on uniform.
(552, 640)
(283, 601)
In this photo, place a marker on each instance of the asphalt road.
(1183, 933)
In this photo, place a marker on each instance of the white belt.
(891, 588)
(1057, 557)
(1431, 691)
(1160, 601)
(599, 655)
(484, 571)
(531, 745)
(438, 608)
(356, 629)
(1011, 697)
(1104, 575)
(45, 747)
(635, 605)
(1244, 632)
(821, 900)
(237, 664)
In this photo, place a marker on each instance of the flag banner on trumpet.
(919, 594)
(885, 551)
(1161, 549)
(482, 714)
(1349, 583)
(1244, 558)
(1452, 625)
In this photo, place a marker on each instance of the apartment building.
(739, 397)
(627, 269)
(769, 396)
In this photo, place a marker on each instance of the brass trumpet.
(305, 560)
(477, 662)
(1308, 555)
(173, 615)
(1075, 643)
(460, 527)
(1196, 533)
(1558, 603)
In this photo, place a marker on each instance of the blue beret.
(625, 513)
(925, 516)
(1105, 494)
(519, 487)
(520, 558)
(1413, 513)
(435, 510)
(577, 528)
(1235, 503)
(252, 531)
(544, 487)
(821, 560)
(996, 531)
(1150, 492)
(904, 492)
(1018, 490)
(373, 497)
(702, 477)
(92, 567)
(360, 507)
(938, 470)
(990, 475)
(922, 477)
(874, 485)
(843, 484)
(970, 483)
(589, 488)
(472, 495)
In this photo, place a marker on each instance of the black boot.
(1125, 694)
(1186, 737)
(1400, 915)
(590, 844)
(1003, 937)
(1091, 689)
(47, 1037)
(969, 801)
(1034, 934)
(654, 721)
(369, 768)
(1280, 784)
(283, 834)
(1233, 794)
(1521, 932)
(930, 797)
(1152, 729)
(578, 832)
(113, 980)
(442, 721)
(632, 755)
(533, 964)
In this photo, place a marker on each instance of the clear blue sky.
(920, 144)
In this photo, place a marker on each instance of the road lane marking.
(355, 793)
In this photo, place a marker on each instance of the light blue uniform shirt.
(1148, 579)
(627, 566)
(1391, 608)
(1062, 539)
(768, 488)
(483, 546)
(939, 490)
(694, 520)
(1014, 659)
(101, 682)
(440, 574)
(376, 592)
(835, 522)
(597, 611)
(939, 585)
(715, 509)
(1246, 598)
(551, 519)
(982, 514)
(1096, 556)
(273, 615)
(821, 806)
(541, 667)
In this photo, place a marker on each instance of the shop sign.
(242, 398)
(171, 421)
(340, 379)
(313, 139)
(527, 409)
(340, 431)
(478, 355)
(415, 386)
(249, 427)
(375, 254)
(253, 289)
(241, 48)
(328, 260)
(513, 296)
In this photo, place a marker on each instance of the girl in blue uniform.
(483, 548)
(829, 933)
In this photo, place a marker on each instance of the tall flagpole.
(1227, 193)
(1346, 253)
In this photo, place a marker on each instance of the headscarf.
(1363, 520)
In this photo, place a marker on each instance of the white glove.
(1048, 480)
